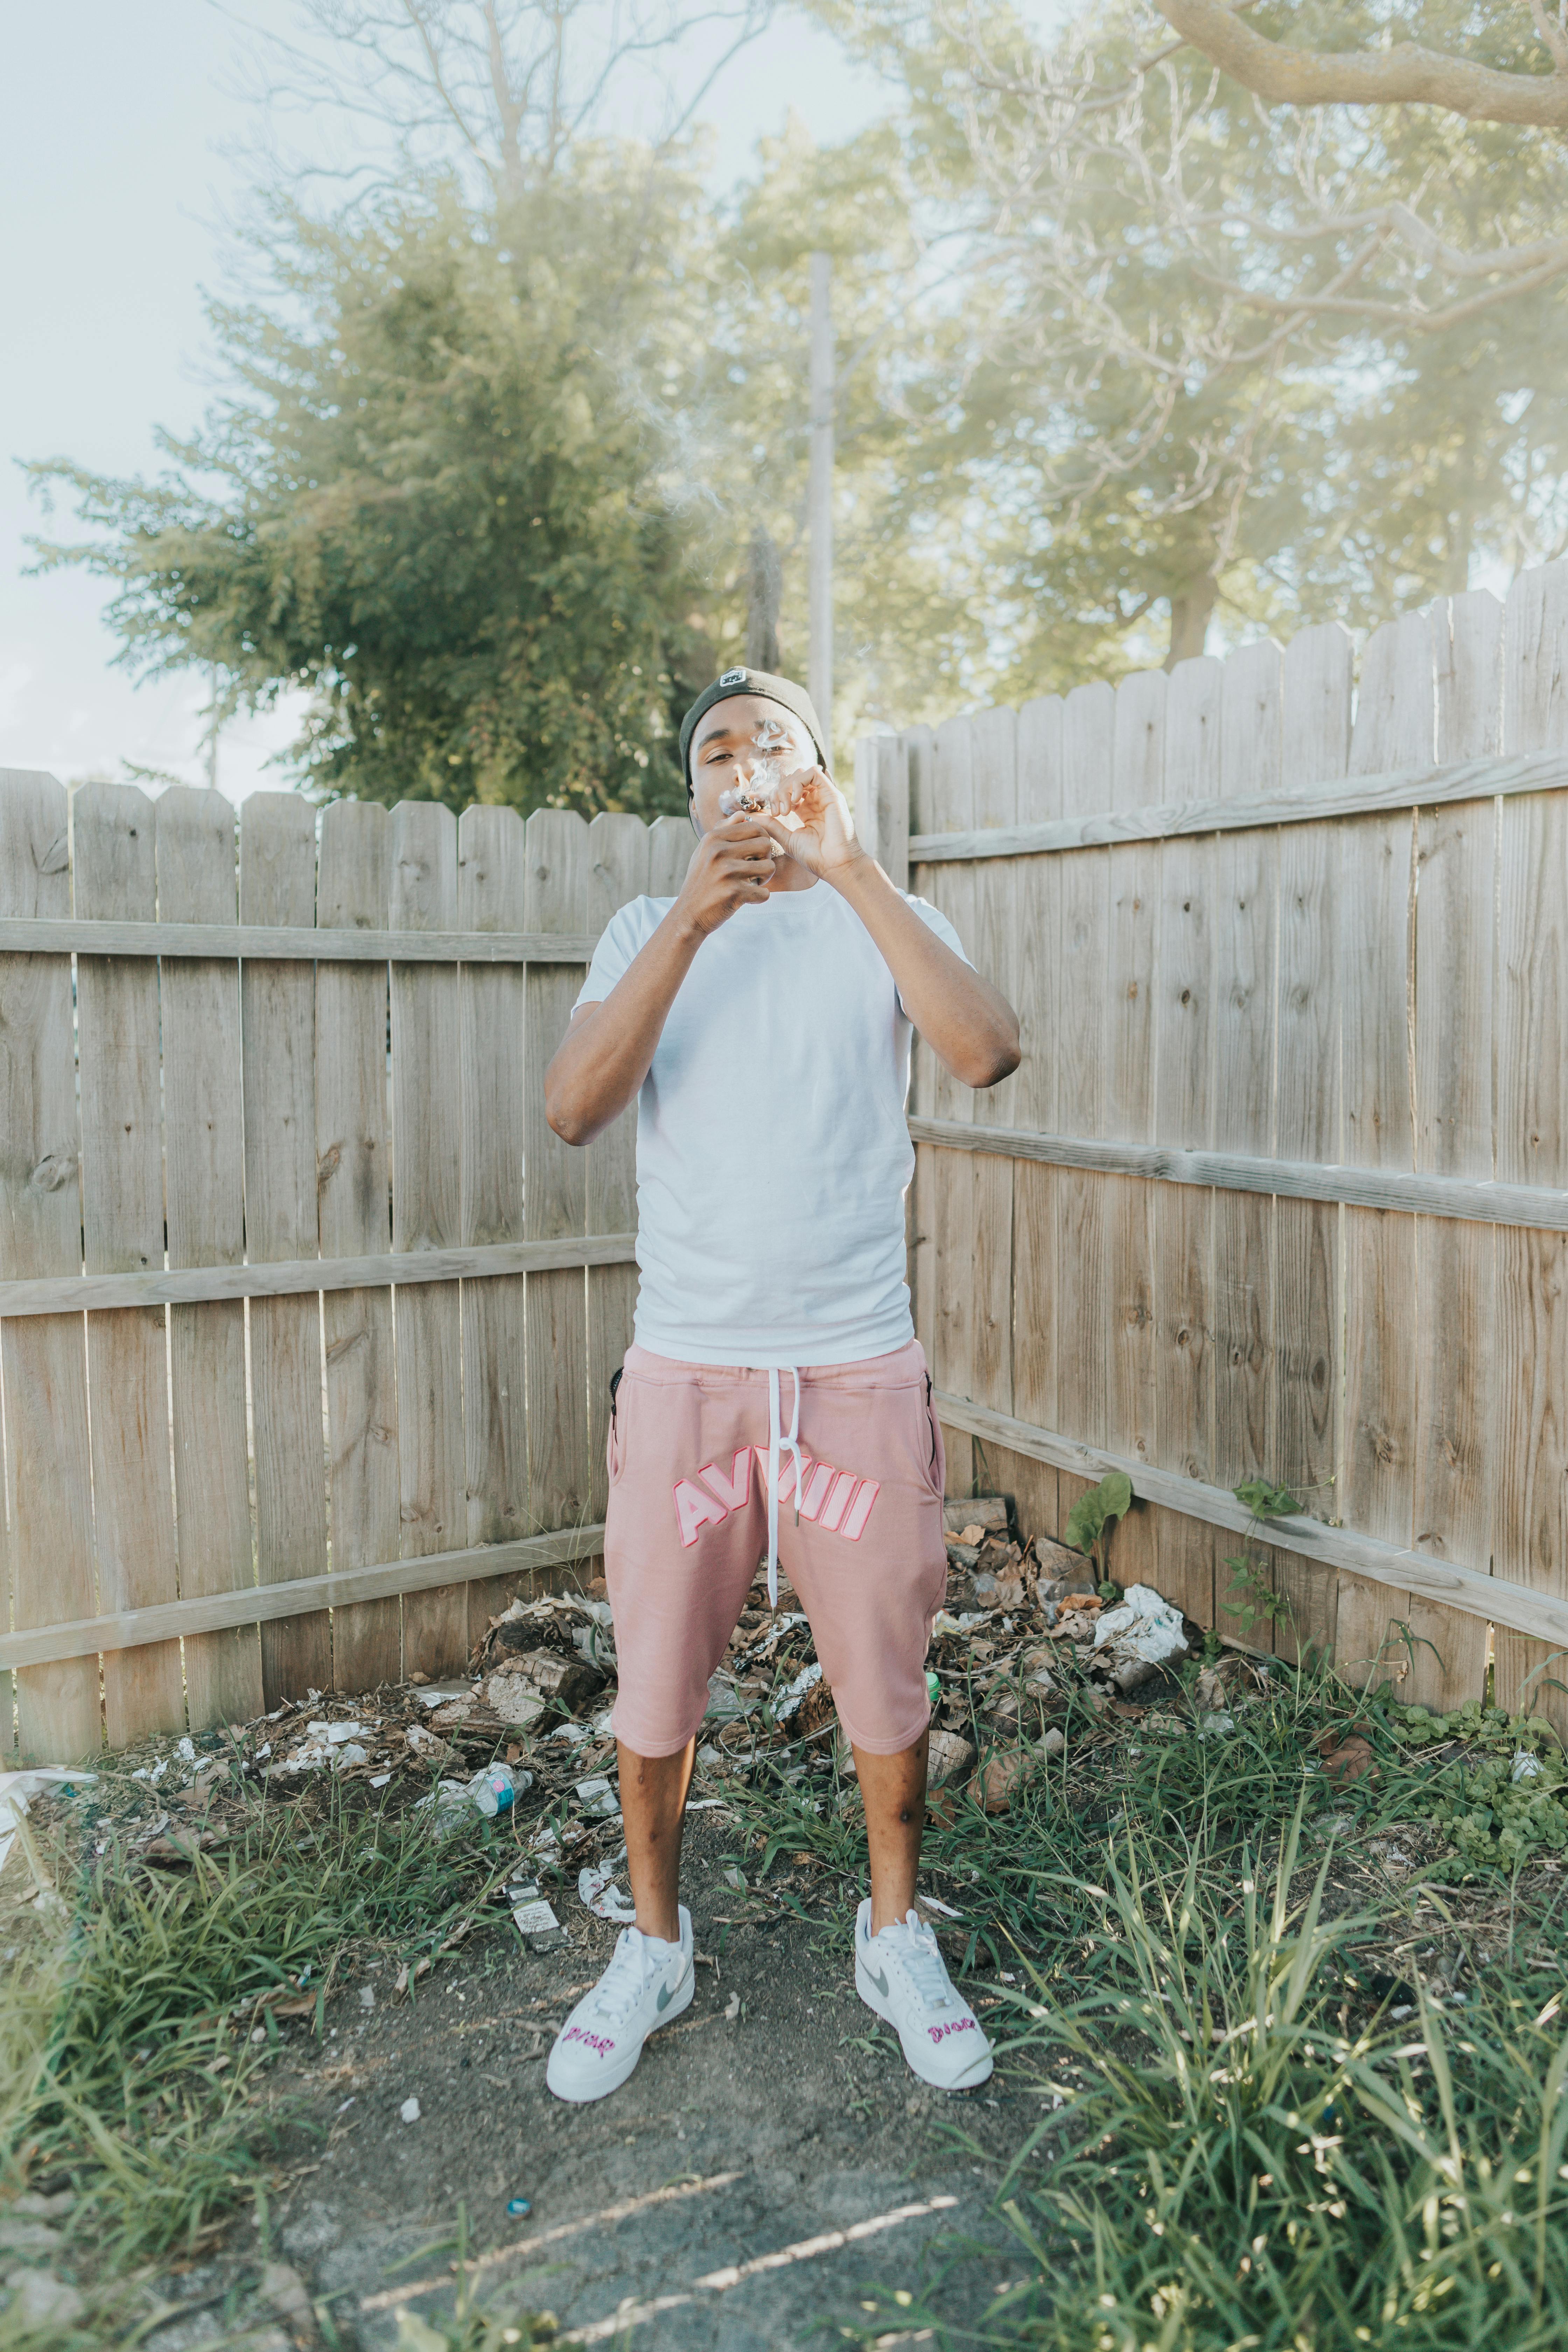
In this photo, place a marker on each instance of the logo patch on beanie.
(733, 678)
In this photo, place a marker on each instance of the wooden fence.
(1277, 1192)
(305, 1316)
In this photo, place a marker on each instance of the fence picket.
(1531, 1437)
(1088, 727)
(1456, 1260)
(1184, 1215)
(670, 842)
(492, 892)
(122, 1229)
(1395, 716)
(277, 1026)
(919, 746)
(1304, 1421)
(560, 1475)
(1138, 780)
(954, 1235)
(426, 1214)
(353, 890)
(1246, 875)
(1036, 1485)
(48, 1477)
(617, 873)
(204, 1193)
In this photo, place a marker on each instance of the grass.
(1237, 2142)
(128, 2050)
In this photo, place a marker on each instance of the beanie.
(784, 691)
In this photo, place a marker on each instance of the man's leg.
(653, 1813)
(894, 1788)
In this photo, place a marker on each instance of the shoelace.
(622, 1986)
(916, 1950)
(777, 1438)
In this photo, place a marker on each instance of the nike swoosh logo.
(880, 1981)
(666, 1995)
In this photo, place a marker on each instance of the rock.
(568, 1681)
(43, 2209)
(986, 1512)
(510, 1694)
(1074, 1569)
(284, 2291)
(951, 1756)
(41, 2300)
(19, 2235)
(1053, 1743)
(993, 1785)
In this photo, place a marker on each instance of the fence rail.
(1280, 1190)
(305, 1316)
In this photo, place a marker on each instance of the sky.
(127, 143)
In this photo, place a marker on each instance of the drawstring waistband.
(777, 1438)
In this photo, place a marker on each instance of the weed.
(1094, 1515)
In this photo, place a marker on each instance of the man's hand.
(732, 867)
(808, 818)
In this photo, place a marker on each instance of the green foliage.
(1265, 1501)
(1495, 1822)
(125, 2058)
(1094, 1515)
(437, 502)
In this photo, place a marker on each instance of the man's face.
(726, 742)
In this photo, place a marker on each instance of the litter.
(434, 1694)
(497, 1789)
(520, 2208)
(16, 1788)
(598, 1800)
(533, 1917)
(1143, 1633)
(599, 1894)
(409, 2112)
(1526, 1767)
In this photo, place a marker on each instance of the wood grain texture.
(670, 846)
(882, 805)
(204, 1157)
(353, 1209)
(617, 873)
(1304, 1393)
(1089, 733)
(43, 1365)
(1542, 1616)
(1531, 771)
(492, 892)
(123, 1226)
(1456, 1294)
(1184, 1115)
(1138, 777)
(527, 1561)
(281, 942)
(1034, 1219)
(278, 1026)
(560, 1472)
(1245, 979)
(1530, 1431)
(951, 1181)
(426, 1214)
(1395, 726)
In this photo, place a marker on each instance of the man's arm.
(967, 1022)
(607, 1052)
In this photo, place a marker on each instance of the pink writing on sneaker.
(603, 2044)
(963, 2025)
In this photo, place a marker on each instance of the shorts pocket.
(933, 1453)
(615, 1436)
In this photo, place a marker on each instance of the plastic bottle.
(496, 1788)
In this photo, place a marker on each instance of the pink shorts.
(686, 1528)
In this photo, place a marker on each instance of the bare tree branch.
(1405, 75)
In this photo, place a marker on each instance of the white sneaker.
(902, 1976)
(647, 1985)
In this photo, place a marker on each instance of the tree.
(1272, 362)
(436, 503)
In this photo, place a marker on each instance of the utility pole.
(819, 508)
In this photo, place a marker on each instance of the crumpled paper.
(1141, 1632)
(601, 1896)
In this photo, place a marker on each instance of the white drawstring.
(777, 1438)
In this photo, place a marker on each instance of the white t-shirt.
(773, 1153)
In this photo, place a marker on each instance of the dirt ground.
(735, 2139)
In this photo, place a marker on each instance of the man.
(776, 1394)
